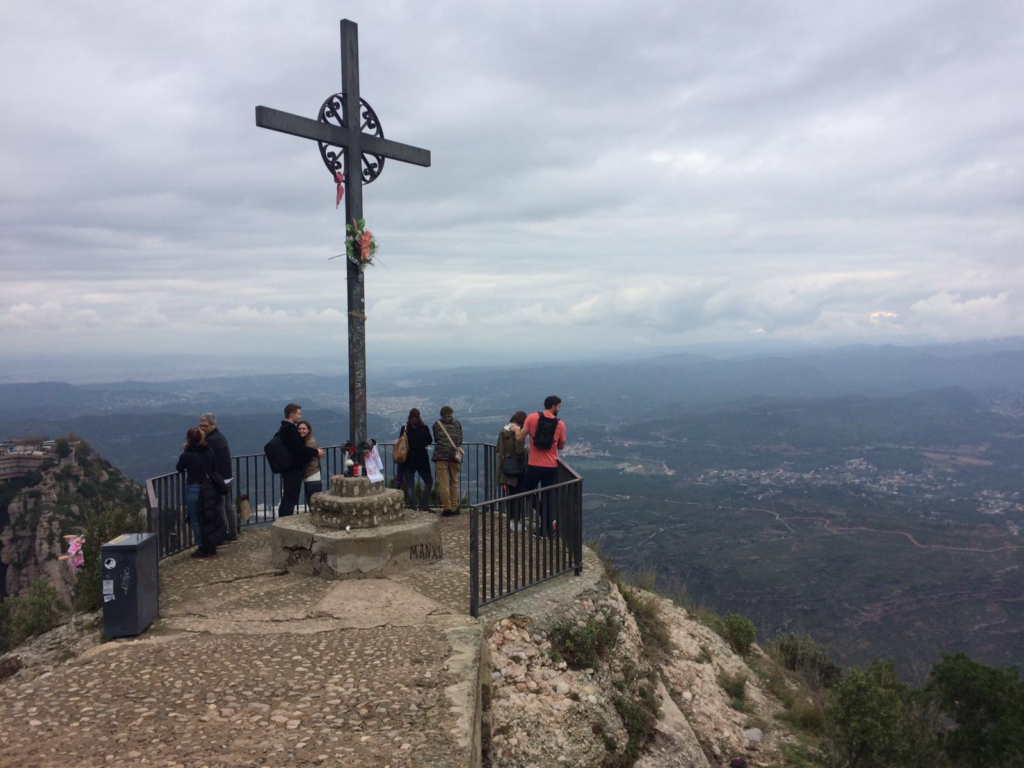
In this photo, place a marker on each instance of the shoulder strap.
(441, 425)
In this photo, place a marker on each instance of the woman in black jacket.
(417, 462)
(197, 461)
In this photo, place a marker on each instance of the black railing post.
(577, 526)
(474, 564)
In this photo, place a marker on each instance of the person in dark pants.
(291, 479)
(547, 436)
(197, 460)
(216, 440)
(417, 462)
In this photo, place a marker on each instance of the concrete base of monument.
(300, 546)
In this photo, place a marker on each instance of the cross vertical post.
(353, 212)
(339, 131)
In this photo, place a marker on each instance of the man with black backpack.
(293, 460)
(547, 435)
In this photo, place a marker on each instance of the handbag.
(401, 450)
(217, 481)
(513, 466)
(458, 451)
(244, 509)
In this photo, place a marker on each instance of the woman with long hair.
(197, 462)
(417, 462)
(508, 474)
(311, 478)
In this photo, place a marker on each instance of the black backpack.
(544, 435)
(278, 456)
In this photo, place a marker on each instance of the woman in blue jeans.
(196, 461)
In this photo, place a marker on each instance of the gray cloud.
(606, 174)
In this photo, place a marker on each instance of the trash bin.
(129, 565)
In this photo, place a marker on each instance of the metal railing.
(168, 516)
(525, 539)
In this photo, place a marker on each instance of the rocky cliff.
(667, 691)
(40, 510)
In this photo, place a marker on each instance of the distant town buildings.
(18, 460)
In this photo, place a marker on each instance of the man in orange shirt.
(547, 435)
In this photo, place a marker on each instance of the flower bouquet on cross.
(360, 246)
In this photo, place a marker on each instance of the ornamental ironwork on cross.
(353, 148)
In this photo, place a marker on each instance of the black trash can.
(129, 565)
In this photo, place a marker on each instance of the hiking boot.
(199, 553)
(232, 537)
(448, 513)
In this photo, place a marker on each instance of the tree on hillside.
(987, 705)
(103, 522)
(867, 716)
(63, 447)
(24, 617)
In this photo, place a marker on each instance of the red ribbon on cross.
(339, 178)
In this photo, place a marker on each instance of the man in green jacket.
(448, 460)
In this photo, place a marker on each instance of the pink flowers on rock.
(74, 556)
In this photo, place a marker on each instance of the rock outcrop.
(544, 712)
(40, 515)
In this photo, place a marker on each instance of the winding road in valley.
(908, 536)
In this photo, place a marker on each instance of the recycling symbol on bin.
(110, 563)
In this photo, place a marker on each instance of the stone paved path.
(252, 666)
(248, 666)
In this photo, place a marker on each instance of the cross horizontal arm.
(285, 122)
(394, 150)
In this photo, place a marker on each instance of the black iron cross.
(343, 144)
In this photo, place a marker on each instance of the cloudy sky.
(606, 175)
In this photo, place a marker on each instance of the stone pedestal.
(356, 528)
(355, 502)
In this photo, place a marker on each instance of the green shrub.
(740, 633)
(102, 523)
(653, 630)
(639, 716)
(867, 716)
(62, 447)
(805, 714)
(25, 617)
(801, 654)
(705, 656)
(582, 646)
(987, 705)
(598, 729)
(736, 687)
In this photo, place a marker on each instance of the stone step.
(355, 487)
(384, 507)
